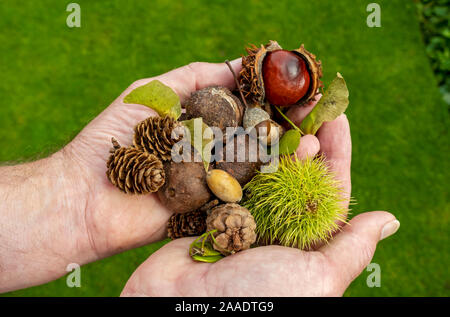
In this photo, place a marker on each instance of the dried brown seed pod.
(315, 71)
(224, 186)
(251, 76)
(134, 171)
(235, 228)
(217, 106)
(157, 135)
(243, 170)
(185, 188)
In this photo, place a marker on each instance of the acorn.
(224, 186)
(217, 106)
(281, 77)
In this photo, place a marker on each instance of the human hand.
(117, 221)
(63, 210)
(276, 270)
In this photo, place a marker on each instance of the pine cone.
(154, 136)
(189, 224)
(235, 228)
(134, 171)
(186, 225)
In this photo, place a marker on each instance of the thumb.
(309, 147)
(352, 249)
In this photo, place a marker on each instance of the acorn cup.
(134, 171)
(157, 135)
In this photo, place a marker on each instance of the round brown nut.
(185, 188)
(224, 186)
(240, 164)
(217, 106)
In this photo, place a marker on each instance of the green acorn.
(298, 205)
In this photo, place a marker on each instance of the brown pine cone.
(235, 228)
(189, 224)
(134, 171)
(154, 136)
(186, 225)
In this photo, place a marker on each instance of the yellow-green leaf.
(202, 138)
(203, 251)
(157, 96)
(207, 259)
(332, 104)
(289, 142)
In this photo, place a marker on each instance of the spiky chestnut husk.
(298, 205)
(251, 76)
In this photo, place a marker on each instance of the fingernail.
(389, 229)
(236, 61)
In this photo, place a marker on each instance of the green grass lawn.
(56, 79)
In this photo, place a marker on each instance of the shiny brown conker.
(286, 77)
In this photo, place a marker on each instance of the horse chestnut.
(286, 77)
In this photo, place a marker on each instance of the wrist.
(41, 230)
(71, 194)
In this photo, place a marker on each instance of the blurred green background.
(56, 79)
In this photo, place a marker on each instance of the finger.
(336, 146)
(195, 76)
(309, 146)
(298, 113)
(168, 271)
(183, 80)
(351, 250)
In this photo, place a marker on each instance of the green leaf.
(289, 142)
(288, 120)
(157, 96)
(207, 259)
(203, 251)
(332, 104)
(202, 138)
(203, 248)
